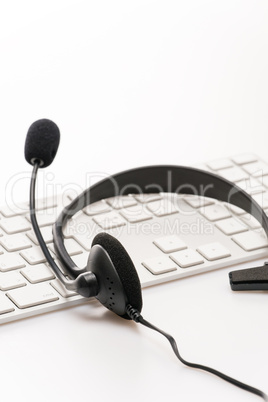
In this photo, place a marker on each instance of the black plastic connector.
(250, 279)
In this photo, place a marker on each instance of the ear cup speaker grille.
(111, 302)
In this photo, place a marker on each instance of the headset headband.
(154, 179)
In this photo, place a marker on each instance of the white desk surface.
(129, 84)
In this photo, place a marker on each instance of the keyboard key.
(11, 280)
(109, 221)
(233, 174)
(9, 261)
(197, 201)
(15, 242)
(215, 212)
(251, 221)
(214, 251)
(220, 164)
(45, 217)
(244, 158)
(250, 241)
(34, 255)
(46, 232)
(57, 285)
(262, 199)
(234, 209)
(79, 224)
(144, 198)
(46, 203)
(37, 273)
(159, 265)
(187, 258)
(15, 225)
(251, 186)
(5, 304)
(121, 201)
(84, 241)
(162, 207)
(135, 214)
(231, 226)
(33, 295)
(169, 244)
(97, 208)
(256, 169)
(13, 210)
(71, 245)
(264, 180)
(80, 259)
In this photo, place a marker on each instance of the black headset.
(110, 275)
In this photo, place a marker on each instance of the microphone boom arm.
(85, 284)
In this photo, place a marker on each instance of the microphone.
(41, 146)
(42, 142)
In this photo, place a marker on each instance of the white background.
(135, 83)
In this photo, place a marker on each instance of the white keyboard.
(167, 236)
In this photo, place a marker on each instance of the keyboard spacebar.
(33, 295)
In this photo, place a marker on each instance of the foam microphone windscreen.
(42, 142)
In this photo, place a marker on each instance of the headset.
(110, 275)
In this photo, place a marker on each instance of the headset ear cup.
(124, 268)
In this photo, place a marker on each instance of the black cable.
(137, 317)
(36, 228)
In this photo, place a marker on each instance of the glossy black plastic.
(250, 279)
